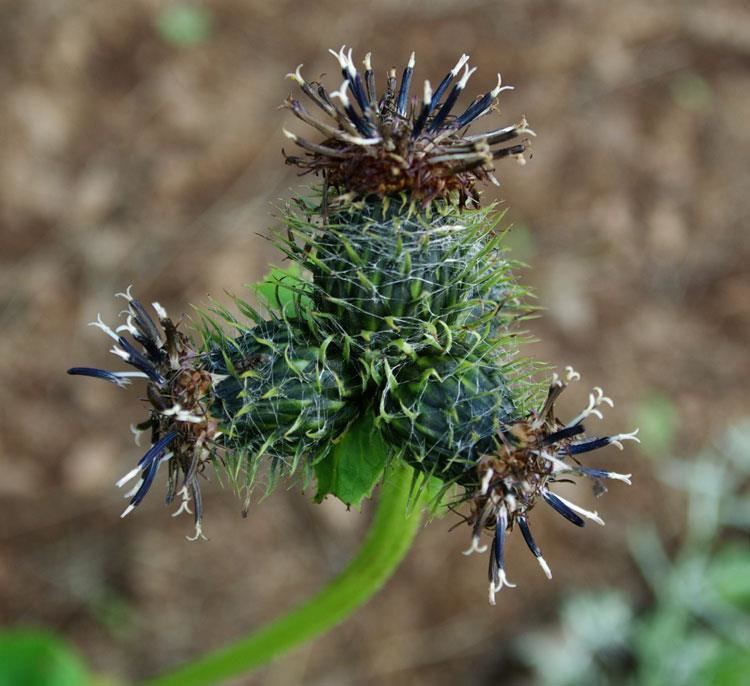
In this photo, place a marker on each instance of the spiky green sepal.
(443, 411)
(397, 279)
(282, 398)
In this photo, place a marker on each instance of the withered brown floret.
(393, 143)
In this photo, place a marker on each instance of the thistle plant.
(400, 325)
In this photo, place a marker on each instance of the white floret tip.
(632, 436)
(296, 75)
(350, 66)
(184, 493)
(475, 547)
(545, 567)
(486, 481)
(625, 478)
(120, 353)
(340, 56)
(160, 311)
(502, 581)
(461, 61)
(130, 475)
(499, 88)
(127, 295)
(129, 326)
(465, 78)
(596, 399)
(136, 434)
(133, 490)
(341, 94)
(99, 324)
(198, 533)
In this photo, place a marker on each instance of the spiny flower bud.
(456, 419)
(443, 411)
(395, 280)
(282, 397)
(266, 399)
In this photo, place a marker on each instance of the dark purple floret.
(588, 446)
(150, 463)
(567, 432)
(447, 106)
(532, 546)
(157, 449)
(499, 542)
(560, 507)
(122, 379)
(403, 93)
(447, 79)
(139, 361)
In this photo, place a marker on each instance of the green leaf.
(280, 289)
(351, 470)
(37, 658)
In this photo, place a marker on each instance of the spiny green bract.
(285, 398)
(395, 278)
(398, 311)
(405, 312)
(442, 411)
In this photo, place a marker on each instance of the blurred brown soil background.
(132, 157)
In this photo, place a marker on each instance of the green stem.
(388, 540)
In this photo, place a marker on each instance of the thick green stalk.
(390, 536)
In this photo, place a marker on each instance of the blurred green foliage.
(691, 91)
(696, 629)
(114, 614)
(656, 416)
(37, 658)
(519, 242)
(185, 24)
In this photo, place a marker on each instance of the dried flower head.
(532, 455)
(181, 427)
(388, 143)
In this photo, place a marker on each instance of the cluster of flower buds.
(405, 310)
